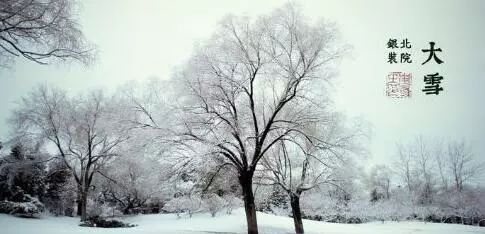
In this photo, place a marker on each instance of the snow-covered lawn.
(235, 223)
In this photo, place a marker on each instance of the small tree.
(462, 165)
(299, 165)
(380, 181)
(416, 165)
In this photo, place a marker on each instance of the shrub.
(98, 221)
(29, 208)
(214, 204)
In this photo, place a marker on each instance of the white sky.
(148, 38)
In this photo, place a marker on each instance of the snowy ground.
(235, 223)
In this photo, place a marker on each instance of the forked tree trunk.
(246, 182)
(295, 208)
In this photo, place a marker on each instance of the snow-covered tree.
(85, 131)
(253, 84)
(41, 31)
(22, 172)
(380, 182)
(302, 164)
(133, 181)
(60, 191)
(462, 165)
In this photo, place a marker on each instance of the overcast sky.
(142, 39)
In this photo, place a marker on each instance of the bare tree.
(439, 155)
(255, 84)
(462, 164)
(84, 131)
(404, 166)
(417, 166)
(301, 164)
(425, 168)
(41, 31)
(424, 162)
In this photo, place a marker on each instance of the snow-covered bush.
(96, 208)
(98, 221)
(185, 204)
(272, 199)
(21, 172)
(133, 183)
(214, 203)
(30, 207)
(231, 202)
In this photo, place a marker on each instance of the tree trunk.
(295, 209)
(84, 201)
(246, 182)
(79, 204)
(78, 200)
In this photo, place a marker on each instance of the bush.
(185, 204)
(342, 219)
(29, 208)
(214, 204)
(98, 221)
(231, 202)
